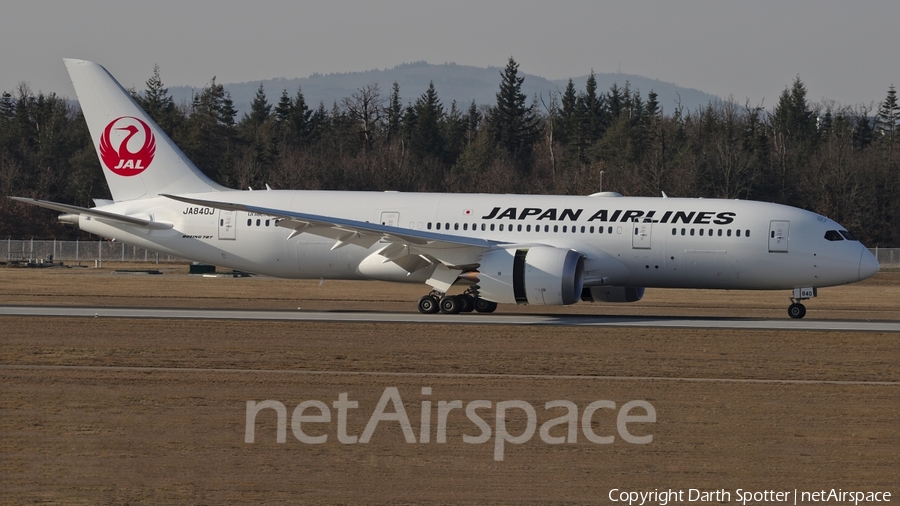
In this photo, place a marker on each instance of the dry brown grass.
(172, 433)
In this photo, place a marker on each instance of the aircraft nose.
(868, 264)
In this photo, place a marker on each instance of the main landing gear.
(454, 304)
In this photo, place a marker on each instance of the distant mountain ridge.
(460, 83)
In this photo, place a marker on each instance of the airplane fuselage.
(626, 241)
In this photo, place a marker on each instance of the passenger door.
(779, 234)
(226, 224)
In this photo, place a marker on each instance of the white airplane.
(511, 249)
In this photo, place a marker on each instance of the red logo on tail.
(120, 138)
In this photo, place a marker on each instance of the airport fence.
(34, 251)
(887, 257)
(12, 250)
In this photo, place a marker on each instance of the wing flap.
(447, 249)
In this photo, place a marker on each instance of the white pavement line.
(441, 375)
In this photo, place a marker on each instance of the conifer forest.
(839, 161)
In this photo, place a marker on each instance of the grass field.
(131, 411)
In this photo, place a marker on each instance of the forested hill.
(461, 83)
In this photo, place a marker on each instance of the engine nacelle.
(542, 276)
(612, 293)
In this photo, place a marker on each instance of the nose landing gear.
(796, 309)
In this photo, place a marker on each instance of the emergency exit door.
(390, 218)
(640, 237)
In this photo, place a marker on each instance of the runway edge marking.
(12, 367)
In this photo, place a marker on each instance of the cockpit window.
(833, 235)
(848, 236)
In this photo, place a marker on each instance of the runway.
(462, 319)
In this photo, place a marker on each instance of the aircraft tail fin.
(138, 159)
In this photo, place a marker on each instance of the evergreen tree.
(473, 122)
(394, 112)
(615, 102)
(592, 113)
(159, 104)
(887, 121)
(568, 116)
(260, 109)
(211, 133)
(862, 129)
(300, 118)
(652, 109)
(284, 109)
(426, 136)
(793, 116)
(514, 126)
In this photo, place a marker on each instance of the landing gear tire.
(451, 304)
(428, 305)
(485, 306)
(467, 303)
(797, 310)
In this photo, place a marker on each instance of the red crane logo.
(117, 146)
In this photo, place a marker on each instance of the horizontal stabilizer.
(96, 213)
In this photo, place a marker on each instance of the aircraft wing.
(450, 250)
(96, 213)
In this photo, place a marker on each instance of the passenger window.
(249, 222)
(257, 222)
(833, 235)
(609, 230)
(720, 233)
(438, 225)
(519, 228)
(701, 231)
(728, 233)
(738, 232)
(429, 225)
(492, 227)
(692, 231)
(683, 231)
(674, 231)
(564, 228)
(482, 227)
(746, 233)
(456, 226)
(848, 236)
(555, 228)
(267, 223)
(465, 226)
(592, 229)
(582, 229)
